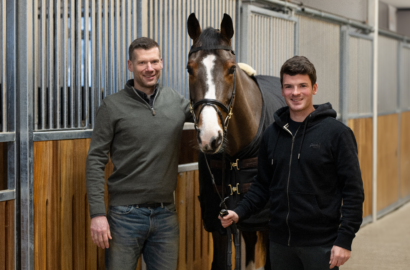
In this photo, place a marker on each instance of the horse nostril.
(216, 142)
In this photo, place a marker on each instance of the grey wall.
(403, 21)
(383, 16)
(353, 9)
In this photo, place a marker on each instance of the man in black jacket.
(308, 165)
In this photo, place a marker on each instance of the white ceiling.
(398, 3)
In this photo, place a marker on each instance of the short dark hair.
(142, 43)
(298, 65)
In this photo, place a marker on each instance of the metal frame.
(344, 74)
(247, 10)
(347, 32)
(7, 195)
(316, 13)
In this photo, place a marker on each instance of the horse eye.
(190, 71)
(232, 69)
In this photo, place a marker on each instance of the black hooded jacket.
(306, 176)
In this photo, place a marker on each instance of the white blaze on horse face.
(210, 128)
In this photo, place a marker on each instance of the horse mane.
(209, 37)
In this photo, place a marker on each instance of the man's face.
(298, 93)
(146, 66)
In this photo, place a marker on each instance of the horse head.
(212, 68)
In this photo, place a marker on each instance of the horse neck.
(247, 109)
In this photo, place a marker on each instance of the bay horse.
(230, 113)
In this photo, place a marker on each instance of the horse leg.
(220, 248)
(265, 236)
(250, 239)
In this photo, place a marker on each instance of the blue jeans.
(300, 258)
(153, 232)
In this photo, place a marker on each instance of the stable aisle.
(384, 245)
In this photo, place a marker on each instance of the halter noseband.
(213, 102)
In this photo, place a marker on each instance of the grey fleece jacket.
(143, 144)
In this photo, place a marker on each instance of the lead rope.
(232, 229)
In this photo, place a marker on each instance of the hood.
(321, 111)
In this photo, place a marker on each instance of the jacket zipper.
(143, 100)
(287, 188)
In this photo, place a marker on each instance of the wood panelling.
(387, 160)
(363, 131)
(405, 155)
(194, 241)
(7, 227)
(61, 219)
(3, 166)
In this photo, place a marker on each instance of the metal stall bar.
(43, 64)
(78, 64)
(124, 34)
(72, 64)
(111, 62)
(37, 18)
(3, 75)
(106, 81)
(57, 89)
(86, 74)
(95, 87)
(50, 47)
(117, 45)
(24, 90)
(98, 61)
(65, 63)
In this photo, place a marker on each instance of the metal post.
(375, 85)
(10, 59)
(24, 134)
(344, 74)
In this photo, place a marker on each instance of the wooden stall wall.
(3, 166)
(61, 217)
(363, 131)
(387, 160)
(7, 235)
(405, 155)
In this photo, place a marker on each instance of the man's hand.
(229, 218)
(100, 231)
(338, 256)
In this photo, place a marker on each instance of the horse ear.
(227, 27)
(194, 29)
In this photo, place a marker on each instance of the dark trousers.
(300, 258)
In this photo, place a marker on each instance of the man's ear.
(315, 89)
(130, 67)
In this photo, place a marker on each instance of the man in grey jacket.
(140, 128)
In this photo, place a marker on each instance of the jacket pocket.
(278, 210)
(304, 210)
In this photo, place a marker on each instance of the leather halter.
(213, 102)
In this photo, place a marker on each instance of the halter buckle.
(235, 165)
(234, 189)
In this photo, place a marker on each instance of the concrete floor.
(384, 245)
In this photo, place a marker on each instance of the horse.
(230, 112)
